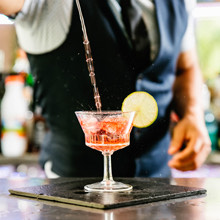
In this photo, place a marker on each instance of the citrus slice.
(145, 107)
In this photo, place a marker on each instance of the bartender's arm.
(191, 129)
(9, 7)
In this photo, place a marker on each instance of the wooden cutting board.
(145, 190)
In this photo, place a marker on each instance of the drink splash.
(104, 131)
(89, 60)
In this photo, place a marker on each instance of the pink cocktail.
(109, 134)
(106, 131)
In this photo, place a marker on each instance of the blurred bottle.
(39, 130)
(22, 67)
(14, 109)
(214, 84)
(21, 64)
(210, 120)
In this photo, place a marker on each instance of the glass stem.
(107, 178)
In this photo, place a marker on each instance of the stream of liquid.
(89, 60)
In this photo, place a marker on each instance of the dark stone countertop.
(14, 207)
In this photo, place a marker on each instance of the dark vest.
(62, 86)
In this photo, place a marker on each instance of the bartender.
(137, 45)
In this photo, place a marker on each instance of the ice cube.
(90, 124)
(109, 125)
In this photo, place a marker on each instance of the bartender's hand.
(191, 132)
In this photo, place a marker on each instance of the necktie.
(137, 31)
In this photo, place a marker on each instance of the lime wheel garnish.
(145, 107)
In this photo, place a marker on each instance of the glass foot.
(111, 186)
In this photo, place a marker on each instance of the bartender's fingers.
(192, 148)
(177, 139)
(193, 162)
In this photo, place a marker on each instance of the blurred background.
(21, 159)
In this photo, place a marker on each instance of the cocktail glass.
(106, 131)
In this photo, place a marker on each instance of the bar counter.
(200, 207)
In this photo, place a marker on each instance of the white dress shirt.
(43, 25)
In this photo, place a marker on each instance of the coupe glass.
(106, 131)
